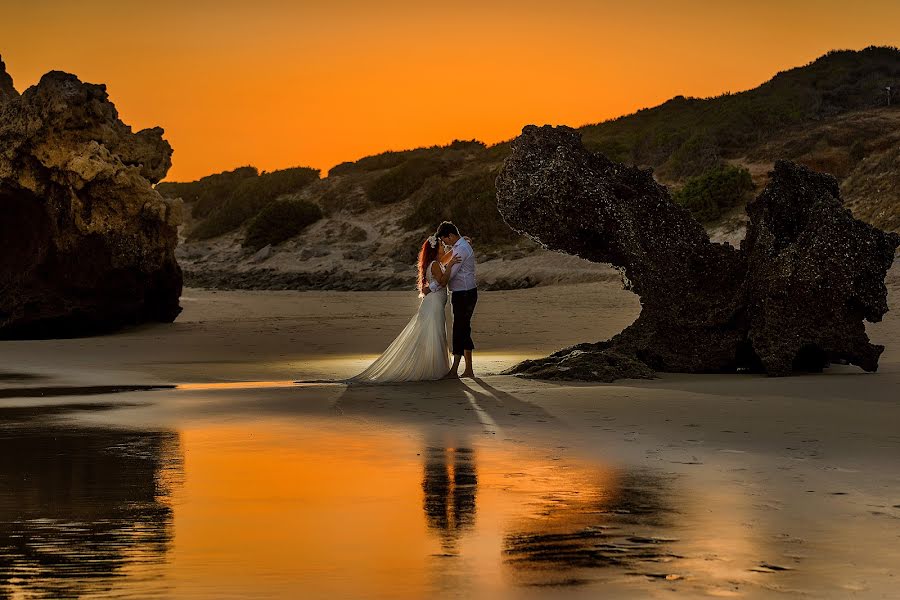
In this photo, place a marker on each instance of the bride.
(420, 351)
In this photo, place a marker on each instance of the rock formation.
(792, 298)
(7, 90)
(88, 244)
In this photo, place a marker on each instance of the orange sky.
(278, 84)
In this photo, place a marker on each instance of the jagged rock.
(793, 297)
(88, 243)
(7, 89)
(814, 273)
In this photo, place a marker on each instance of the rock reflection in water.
(616, 526)
(449, 487)
(78, 506)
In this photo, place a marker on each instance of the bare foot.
(451, 375)
(469, 374)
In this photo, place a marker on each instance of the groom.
(463, 296)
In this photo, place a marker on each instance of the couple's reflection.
(580, 514)
(449, 486)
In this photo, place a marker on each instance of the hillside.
(360, 226)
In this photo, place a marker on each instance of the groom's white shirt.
(462, 274)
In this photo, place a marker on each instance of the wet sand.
(238, 483)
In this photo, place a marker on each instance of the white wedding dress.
(420, 352)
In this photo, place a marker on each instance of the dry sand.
(781, 487)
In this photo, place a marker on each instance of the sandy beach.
(240, 483)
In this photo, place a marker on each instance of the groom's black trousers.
(463, 308)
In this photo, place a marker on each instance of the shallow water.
(276, 490)
(93, 506)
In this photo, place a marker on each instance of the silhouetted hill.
(831, 115)
(686, 136)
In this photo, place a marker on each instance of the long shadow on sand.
(469, 404)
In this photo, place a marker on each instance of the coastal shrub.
(835, 83)
(404, 179)
(712, 194)
(249, 197)
(207, 192)
(279, 221)
(470, 201)
(342, 194)
(612, 149)
(497, 152)
(452, 152)
(466, 146)
(376, 162)
(698, 155)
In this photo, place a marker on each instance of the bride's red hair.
(426, 256)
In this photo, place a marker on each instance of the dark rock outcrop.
(88, 243)
(792, 298)
(7, 90)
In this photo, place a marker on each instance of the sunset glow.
(278, 84)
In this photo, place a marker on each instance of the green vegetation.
(279, 221)
(252, 194)
(470, 201)
(377, 162)
(685, 136)
(712, 194)
(404, 179)
(696, 156)
(342, 194)
(804, 114)
(206, 193)
(406, 171)
(455, 151)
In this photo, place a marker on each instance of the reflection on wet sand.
(616, 524)
(81, 508)
(572, 517)
(403, 493)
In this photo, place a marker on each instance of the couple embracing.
(420, 353)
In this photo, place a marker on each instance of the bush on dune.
(279, 221)
(732, 123)
(249, 197)
(404, 179)
(376, 162)
(453, 152)
(698, 155)
(712, 194)
(470, 201)
(207, 192)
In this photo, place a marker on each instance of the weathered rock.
(793, 297)
(586, 362)
(88, 243)
(7, 90)
(814, 274)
